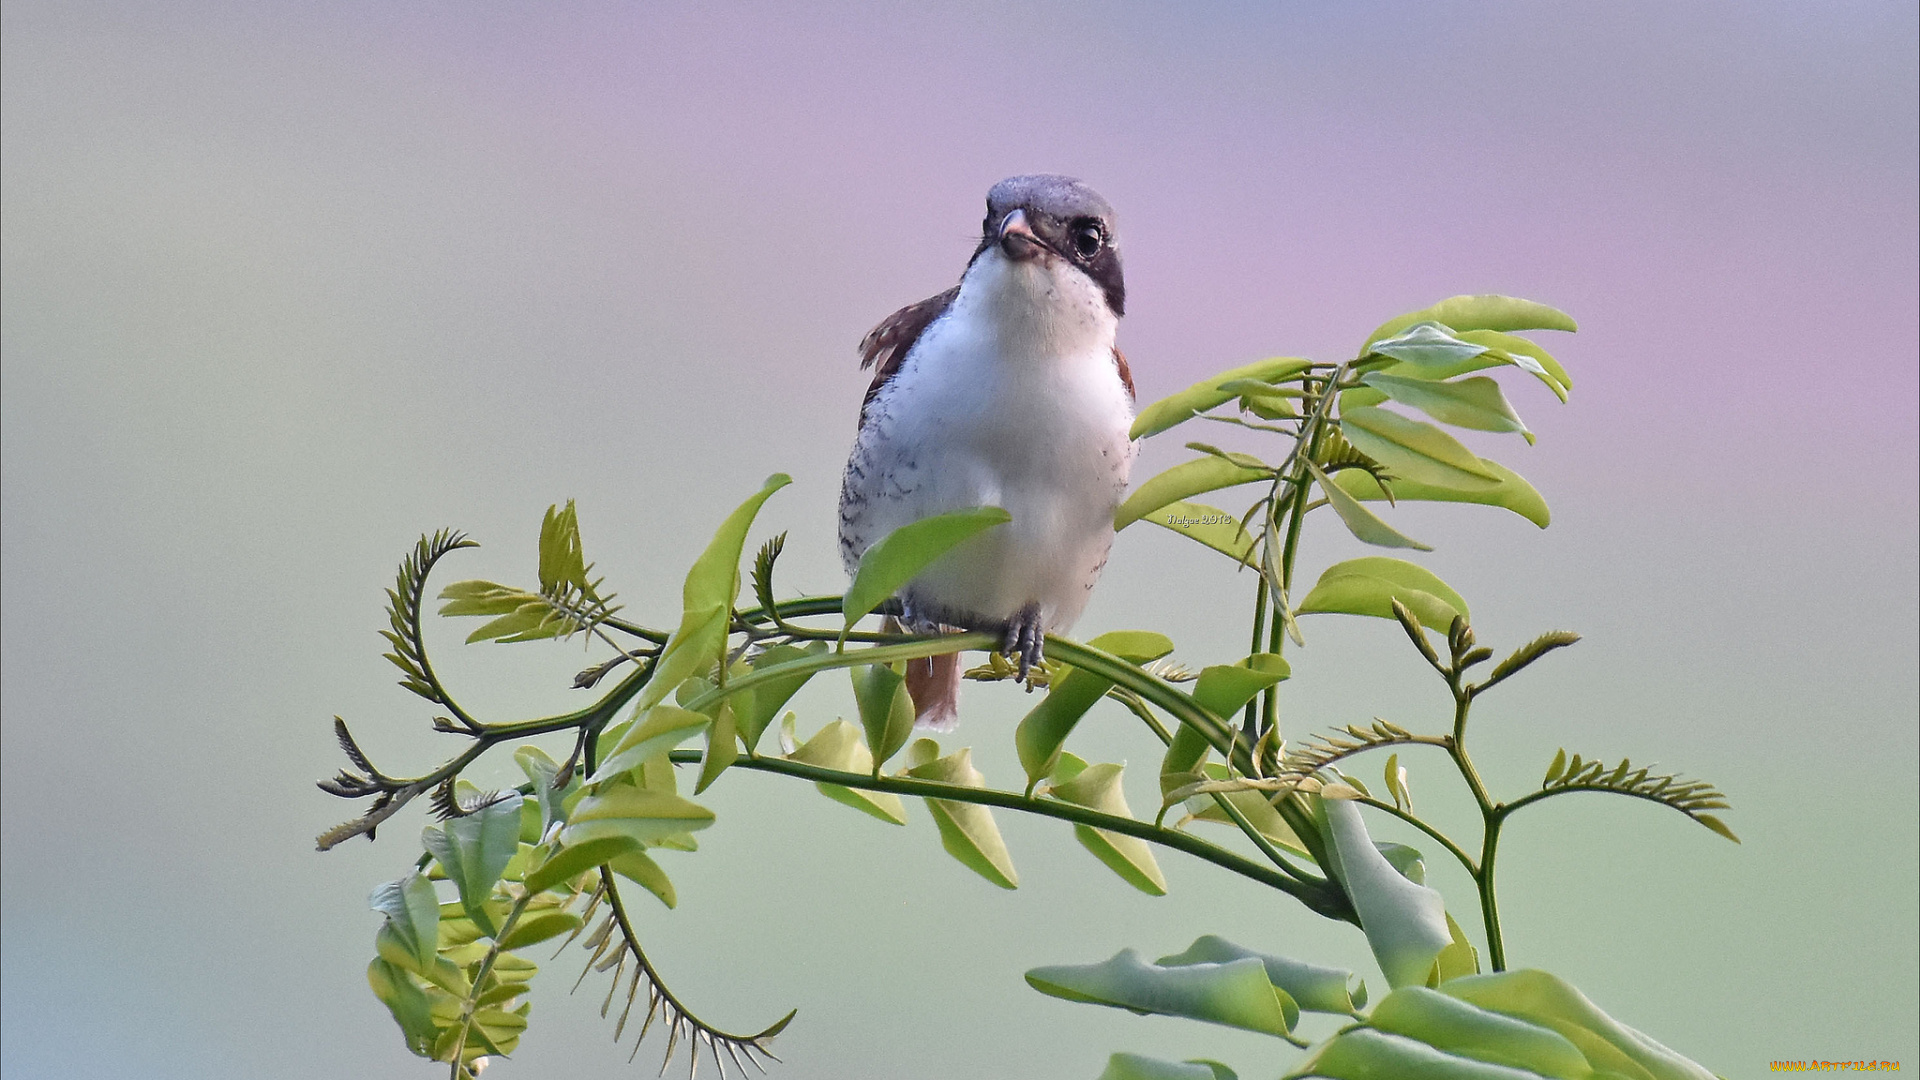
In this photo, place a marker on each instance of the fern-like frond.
(1691, 797)
(403, 613)
(613, 947)
(1319, 752)
(1527, 654)
(763, 571)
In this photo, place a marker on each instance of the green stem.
(1324, 900)
(471, 1004)
(1439, 837)
(1489, 905)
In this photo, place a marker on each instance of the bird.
(1007, 390)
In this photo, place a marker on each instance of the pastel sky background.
(287, 285)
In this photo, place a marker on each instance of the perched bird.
(1006, 390)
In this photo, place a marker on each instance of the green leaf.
(902, 554)
(1234, 994)
(413, 911)
(541, 770)
(645, 814)
(1206, 394)
(1182, 482)
(663, 727)
(408, 1003)
(1405, 923)
(1185, 754)
(1456, 960)
(1558, 766)
(967, 830)
(886, 711)
(1523, 354)
(1426, 344)
(1139, 1067)
(1469, 403)
(1550, 1002)
(1482, 312)
(570, 861)
(1368, 586)
(1044, 730)
(638, 867)
(561, 560)
(534, 928)
(1362, 1053)
(474, 851)
(723, 748)
(754, 709)
(1215, 528)
(1512, 493)
(1098, 787)
(1224, 689)
(1415, 449)
(1456, 1027)
(1314, 988)
(1361, 522)
(838, 746)
(714, 580)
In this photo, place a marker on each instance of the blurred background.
(287, 285)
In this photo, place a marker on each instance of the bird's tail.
(934, 684)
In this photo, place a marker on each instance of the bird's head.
(1058, 228)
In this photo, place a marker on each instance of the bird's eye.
(1088, 239)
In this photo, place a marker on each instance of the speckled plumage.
(1006, 391)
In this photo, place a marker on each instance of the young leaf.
(1207, 393)
(1098, 787)
(541, 771)
(1405, 923)
(1426, 344)
(754, 709)
(723, 748)
(838, 746)
(1182, 482)
(1469, 403)
(900, 555)
(408, 1003)
(967, 830)
(1216, 529)
(1315, 988)
(1234, 994)
(1223, 689)
(886, 712)
(638, 867)
(714, 579)
(474, 851)
(1140, 1067)
(662, 727)
(1482, 312)
(1512, 493)
(413, 911)
(570, 861)
(1457, 1027)
(644, 814)
(1528, 653)
(1361, 522)
(1044, 730)
(1415, 450)
(1550, 1002)
(1368, 586)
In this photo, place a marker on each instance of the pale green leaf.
(1234, 994)
(967, 830)
(1134, 646)
(1362, 1053)
(1368, 586)
(638, 867)
(902, 554)
(1550, 1002)
(1512, 492)
(1426, 344)
(570, 861)
(1469, 403)
(886, 711)
(714, 579)
(1314, 988)
(1363, 523)
(838, 746)
(755, 708)
(1044, 730)
(1223, 689)
(413, 911)
(1481, 312)
(1098, 787)
(536, 927)
(647, 815)
(474, 851)
(663, 727)
(1182, 482)
(1207, 393)
(1405, 923)
(408, 1003)
(541, 771)
(723, 748)
(1415, 450)
(1138, 1067)
(1459, 1028)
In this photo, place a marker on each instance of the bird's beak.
(1017, 238)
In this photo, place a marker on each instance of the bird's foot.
(1025, 638)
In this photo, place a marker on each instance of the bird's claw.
(1026, 638)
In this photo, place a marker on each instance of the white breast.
(1010, 399)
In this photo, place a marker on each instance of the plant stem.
(1489, 906)
(1324, 900)
(468, 1006)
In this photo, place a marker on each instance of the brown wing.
(1126, 373)
(886, 345)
